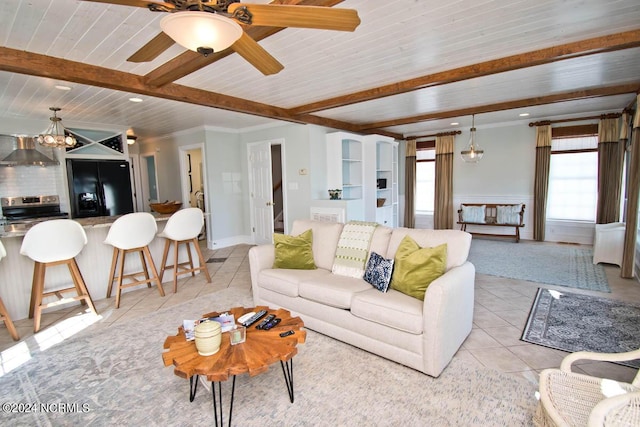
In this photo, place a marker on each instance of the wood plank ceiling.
(411, 67)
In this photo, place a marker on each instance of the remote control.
(271, 324)
(286, 334)
(259, 315)
(266, 320)
(246, 317)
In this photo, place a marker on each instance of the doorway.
(149, 181)
(267, 181)
(194, 182)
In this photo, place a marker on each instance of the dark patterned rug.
(573, 322)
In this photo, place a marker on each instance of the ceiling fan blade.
(135, 3)
(256, 55)
(324, 18)
(152, 49)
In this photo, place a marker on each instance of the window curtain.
(410, 185)
(610, 158)
(541, 180)
(633, 187)
(443, 206)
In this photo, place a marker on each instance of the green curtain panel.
(443, 209)
(410, 185)
(610, 159)
(541, 180)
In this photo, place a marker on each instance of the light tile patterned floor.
(501, 310)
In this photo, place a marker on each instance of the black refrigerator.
(99, 187)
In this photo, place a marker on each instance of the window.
(573, 179)
(425, 180)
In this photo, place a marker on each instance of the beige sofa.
(422, 335)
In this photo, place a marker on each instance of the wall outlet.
(302, 171)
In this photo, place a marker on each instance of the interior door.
(261, 192)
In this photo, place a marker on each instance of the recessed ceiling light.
(523, 114)
(61, 87)
(135, 99)
(454, 123)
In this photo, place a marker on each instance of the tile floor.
(501, 310)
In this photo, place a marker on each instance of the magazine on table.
(226, 320)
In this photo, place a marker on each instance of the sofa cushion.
(458, 242)
(378, 271)
(335, 290)
(416, 267)
(294, 251)
(380, 241)
(393, 309)
(286, 281)
(325, 239)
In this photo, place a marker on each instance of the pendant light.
(55, 136)
(472, 153)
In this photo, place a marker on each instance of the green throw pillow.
(294, 251)
(415, 267)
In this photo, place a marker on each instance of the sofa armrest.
(447, 316)
(260, 258)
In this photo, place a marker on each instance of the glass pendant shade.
(202, 32)
(472, 152)
(55, 136)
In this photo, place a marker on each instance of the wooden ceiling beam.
(189, 61)
(612, 42)
(33, 64)
(507, 105)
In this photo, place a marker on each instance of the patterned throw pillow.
(378, 272)
(474, 214)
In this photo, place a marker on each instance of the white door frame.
(136, 182)
(281, 143)
(144, 179)
(184, 184)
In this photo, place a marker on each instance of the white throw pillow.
(473, 214)
(508, 214)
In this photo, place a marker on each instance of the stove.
(29, 209)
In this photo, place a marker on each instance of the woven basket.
(166, 207)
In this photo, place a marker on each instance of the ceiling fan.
(182, 26)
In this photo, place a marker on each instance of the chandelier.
(55, 135)
(472, 152)
(202, 32)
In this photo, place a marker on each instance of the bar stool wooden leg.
(4, 315)
(193, 271)
(81, 286)
(203, 263)
(163, 266)
(153, 270)
(120, 274)
(176, 249)
(112, 272)
(38, 279)
(145, 270)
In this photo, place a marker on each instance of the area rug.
(573, 322)
(562, 265)
(117, 377)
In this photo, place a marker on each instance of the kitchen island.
(16, 271)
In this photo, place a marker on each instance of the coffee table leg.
(193, 387)
(287, 370)
(217, 399)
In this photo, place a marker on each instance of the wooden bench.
(491, 219)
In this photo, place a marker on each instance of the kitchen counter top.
(19, 230)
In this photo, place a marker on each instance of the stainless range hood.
(25, 154)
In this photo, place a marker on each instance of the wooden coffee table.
(261, 349)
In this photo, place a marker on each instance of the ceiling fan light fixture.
(55, 135)
(472, 152)
(202, 32)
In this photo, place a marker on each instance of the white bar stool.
(183, 227)
(51, 243)
(4, 314)
(128, 234)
